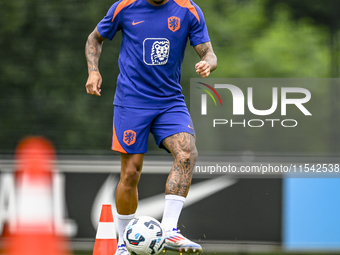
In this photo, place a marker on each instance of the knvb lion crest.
(129, 137)
(174, 23)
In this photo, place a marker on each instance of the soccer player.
(149, 98)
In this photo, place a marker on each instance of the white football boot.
(121, 250)
(175, 241)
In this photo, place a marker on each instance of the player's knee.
(130, 177)
(131, 169)
(188, 156)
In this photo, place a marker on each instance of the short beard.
(158, 1)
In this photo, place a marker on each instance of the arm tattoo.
(92, 51)
(182, 146)
(206, 53)
(202, 49)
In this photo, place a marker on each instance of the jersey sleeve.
(198, 30)
(110, 24)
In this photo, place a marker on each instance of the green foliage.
(44, 72)
(249, 44)
(323, 12)
(274, 55)
(43, 69)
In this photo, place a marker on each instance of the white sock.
(172, 210)
(122, 222)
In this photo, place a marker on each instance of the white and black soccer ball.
(144, 236)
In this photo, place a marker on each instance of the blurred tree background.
(43, 69)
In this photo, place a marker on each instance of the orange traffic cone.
(34, 233)
(106, 239)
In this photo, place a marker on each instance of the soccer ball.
(144, 236)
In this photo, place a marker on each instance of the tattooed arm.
(208, 61)
(93, 49)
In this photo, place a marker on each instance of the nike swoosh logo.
(136, 23)
(197, 192)
(105, 195)
(190, 127)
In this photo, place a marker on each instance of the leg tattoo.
(182, 146)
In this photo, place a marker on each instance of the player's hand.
(94, 83)
(203, 68)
